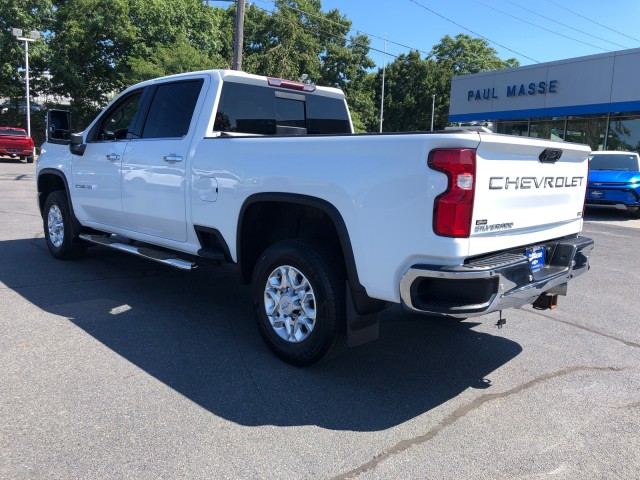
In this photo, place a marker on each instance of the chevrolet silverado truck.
(15, 143)
(328, 227)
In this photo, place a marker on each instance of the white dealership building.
(593, 100)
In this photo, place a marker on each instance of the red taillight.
(302, 87)
(453, 209)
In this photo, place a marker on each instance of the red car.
(15, 143)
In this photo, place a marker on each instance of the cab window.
(119, 120)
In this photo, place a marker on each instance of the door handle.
(173, 158)
(113, 157)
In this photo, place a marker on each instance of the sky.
(529, 31)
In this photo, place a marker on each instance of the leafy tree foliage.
(465, 55)
(176, 37)
(115, 43)
(411, 82)
(298, 38)
(26, 15)
(408, 94)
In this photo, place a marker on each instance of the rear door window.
(172, 109)
(246, 109)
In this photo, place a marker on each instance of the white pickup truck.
(328, 226)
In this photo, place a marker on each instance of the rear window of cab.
(265, 110)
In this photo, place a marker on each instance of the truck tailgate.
(15, 142)
(521, 199)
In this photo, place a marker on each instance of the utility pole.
(239, 40)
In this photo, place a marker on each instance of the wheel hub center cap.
(286, 304)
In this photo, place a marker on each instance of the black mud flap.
(361, 329)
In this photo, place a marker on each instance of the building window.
(552, 129)
(624, 132)
(513, 127)
(589, 129)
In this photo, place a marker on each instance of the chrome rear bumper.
(495, 282)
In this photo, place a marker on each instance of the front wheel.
(29, 158)
(58, 231)
(299, 295)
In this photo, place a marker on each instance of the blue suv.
(614, 181)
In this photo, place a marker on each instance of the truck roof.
(243, 77)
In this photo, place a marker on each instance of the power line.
(542, 28)
(357, 30)
(474, 33)
(592, 21)
(565, 25)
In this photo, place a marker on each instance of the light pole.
(433, 111)
(384, 68)
(33, 36)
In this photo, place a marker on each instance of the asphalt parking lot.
(115, 367)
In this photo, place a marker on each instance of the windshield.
(603, 161)
(12, 131)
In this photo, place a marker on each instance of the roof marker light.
(302, 87)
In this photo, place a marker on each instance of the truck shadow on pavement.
(196, 333)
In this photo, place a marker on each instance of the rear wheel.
(29, 158)
(58, 231)
(299, 296)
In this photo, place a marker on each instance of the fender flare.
(76, 225)
(362, 302)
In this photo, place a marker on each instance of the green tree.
(408, 93)
(176, 37)
(465, 55)
(91, 43)
(26, 15)
(411, 82)
(101, 46)
(293, 39)
(299, 38)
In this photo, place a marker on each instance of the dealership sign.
(606, 82)
(517, 90)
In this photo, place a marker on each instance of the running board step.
(160, 256)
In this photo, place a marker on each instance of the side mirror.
(76, 144)
(58, 126)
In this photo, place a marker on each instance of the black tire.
(325, 274)
(29, 159)
(63, 243)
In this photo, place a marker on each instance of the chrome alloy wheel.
(55, 225)
(290, 304)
